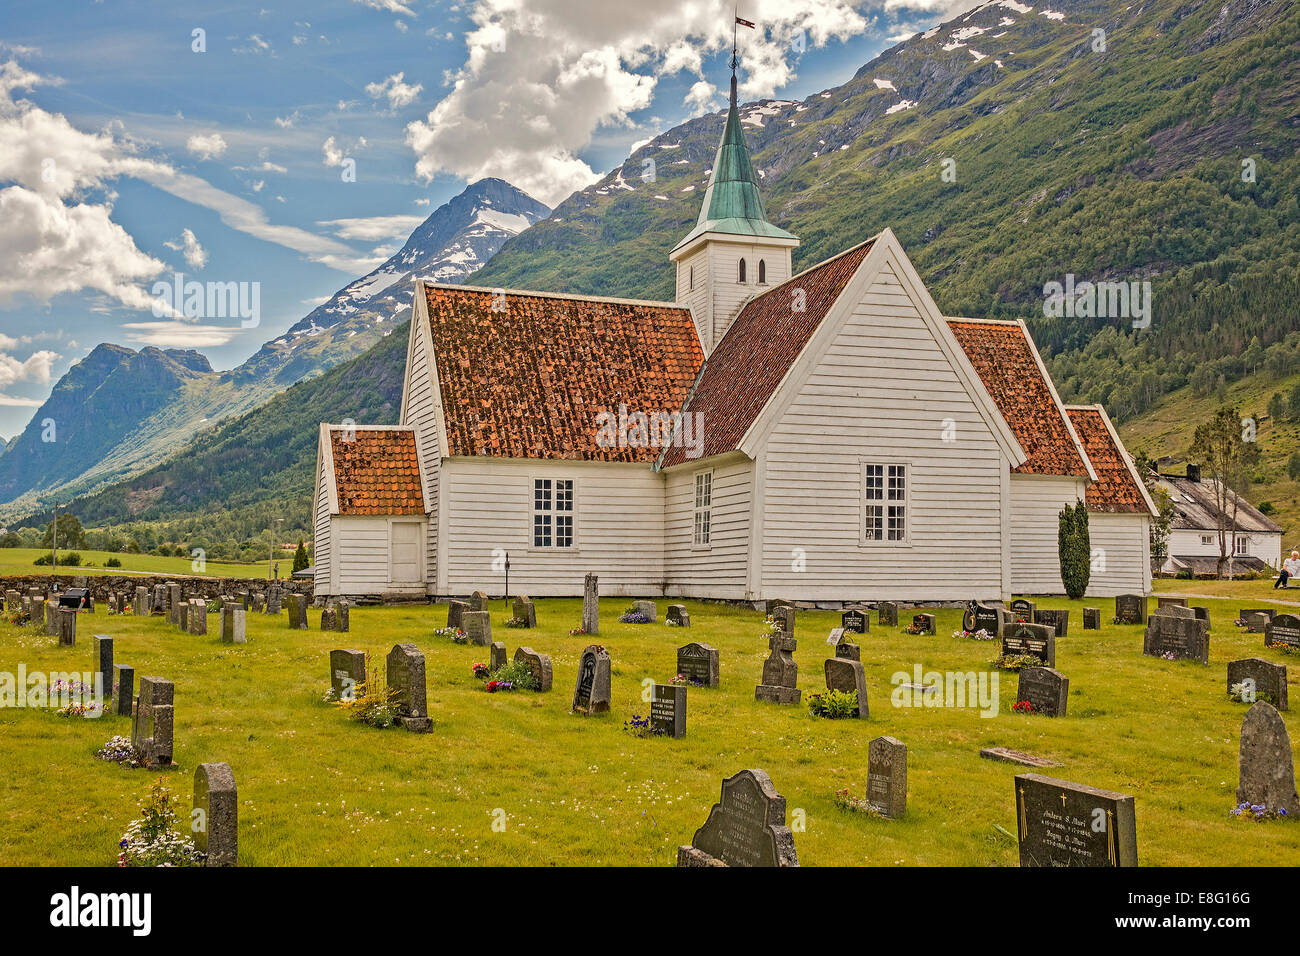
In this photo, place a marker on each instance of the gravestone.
(245, 599)
(173, 603)
(848, 651)
(498, 657)
(406, 677)
(259, 603)
(456, 614)
(668, 709)
(887, 614)
(1202, 614)
(152, 723)
(1130, 609)
(1024, 610)
(1007, 755)
(591, 693)
(590, 605)
(112, 603)
(1264, 680)
(1183, 638)
(982, 617)
(198, 616)
(477, 626)
(699, 663)
(848, 677)
(102, 662)
(887, 777)
(1283, 631)
(67, 623)
(1046, 689)
(347, 672)
(183, 615)
(1179, 611)
(1058, 621)
(274, 598)
(1253, 626)
(745, 828)
(525, 611)
(298, 612)
(923, 623)
(855, 621)
(1068, 824)
(783, 616)
(343, 616)
(1037, 640)
(539, 664)
(780, 672)
(1267, 770)
(232, 623)
(1092, 619)
(771, 604)
(678, 616)
(329, 618)
(647, 609)
(216, 822)
(38, 612)
(478, 601)
(141, 601)
(158, 603)
(1170, 602)
(52, 614)
(13, 599)
(125, 694)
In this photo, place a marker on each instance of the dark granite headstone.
(1130, 609)
(125, 693)
(456, 614)
(847, 676)
(498, 658)
(745, 828)
(1068, 824)
(1283, 631)
(923, 623)
(1092, 619)
(67, 622)
(1024, 610)
(1047, 690)
(152, 723)
(1170, 602)
(854, 621)
(668, 709)
(1263, 680)
(1057, 620)
(678, 616)
(1266, 766)
(1183, 638)
(887, 614)
(780, 672)
(887, 776)
(1036, 639)
(216, 820)
(848, 651)
(981, 617)
(102, 661)
(539, 664)
(406, 677)
(347, 672)
(699, 663)
(1255, 626)
(591, 694)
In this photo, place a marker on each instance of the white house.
(826, 436)
(1254, 542)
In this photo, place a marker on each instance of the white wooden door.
(407, 543)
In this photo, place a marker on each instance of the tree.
(1294, 402)
(1293, 467)
(1226, 459)
(1161, 524)
(1277, 406)
(300, 562)
(1075, 548)
(71, 534)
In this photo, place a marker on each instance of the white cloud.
(196, 257)
(388, 6)
(36, 368)
(373, 228)
(13, 401)
(285, 122)
(541, 76)
(333, 156)
(175, 334)
(398, 93)
(206, 145)
(700, 97)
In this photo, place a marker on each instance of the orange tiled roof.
(760, 346)
(1004, 358)
(529, 381)
(377, 472)
(1115, 488)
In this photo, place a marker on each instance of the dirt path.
(1224, 597)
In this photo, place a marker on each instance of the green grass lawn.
(19, 561)
(315, 788)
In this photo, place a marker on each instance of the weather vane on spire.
(735, 49)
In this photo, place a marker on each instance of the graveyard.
(518, 778)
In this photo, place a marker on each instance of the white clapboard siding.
(720, 570)
(1036, 503)
(696, 297)
(322, 540)
(882, 391)
(728, 293)
(419, 410)
(1123, 541)
(619, 528)
(363, 553)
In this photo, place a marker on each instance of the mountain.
(118, 416)
(1114, 160)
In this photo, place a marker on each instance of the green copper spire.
(732, 203)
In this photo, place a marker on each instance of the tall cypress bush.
(1075, 548)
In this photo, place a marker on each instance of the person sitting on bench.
(1290, 569)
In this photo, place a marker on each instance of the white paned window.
(884, 502)
(1243, 544)
(703, 508)
(553, 513)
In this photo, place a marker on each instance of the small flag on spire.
(745, 23)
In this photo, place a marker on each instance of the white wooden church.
(826, 436)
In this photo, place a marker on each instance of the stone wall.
(101, 584)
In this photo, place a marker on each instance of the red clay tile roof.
(749, 363)
(377, 472)
(1115, 489)
(1002, 355)
(530, 381)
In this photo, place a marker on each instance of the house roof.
(1117, 488)
(376, 471)
(745, 368)
(1209, 564)
(1195, 508)
(530, 379)
(1007, 362)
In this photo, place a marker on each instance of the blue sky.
(128, 155)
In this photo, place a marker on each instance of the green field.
(315, 788)
(19, 561)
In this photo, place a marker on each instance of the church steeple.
(733, 251)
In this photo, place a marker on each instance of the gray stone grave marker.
(102, 662)
(232, 623)
(591, 605)
(784, 618)
(887, 614)
(539, 664)
(498, 658)
(668, 709)
(1038, 640)
(347, 672)
(780, 672)
(1262, 680)
(678, 616)
(198, 619)
(1068, 824)
(477, 626)
(456, 614)
(745, 828)
(298, 612)
(406, 677)
(1183, 638)
(478, 601)
(1092, 619)
(1130, 609)
(887, 776)
(1057, 620)
(699, 663)
(67, 624)
(848, 676)
(1046, 689)
(153, 721)
(591, 695)
(216, 822)
(525, 611)
(1266, 766)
